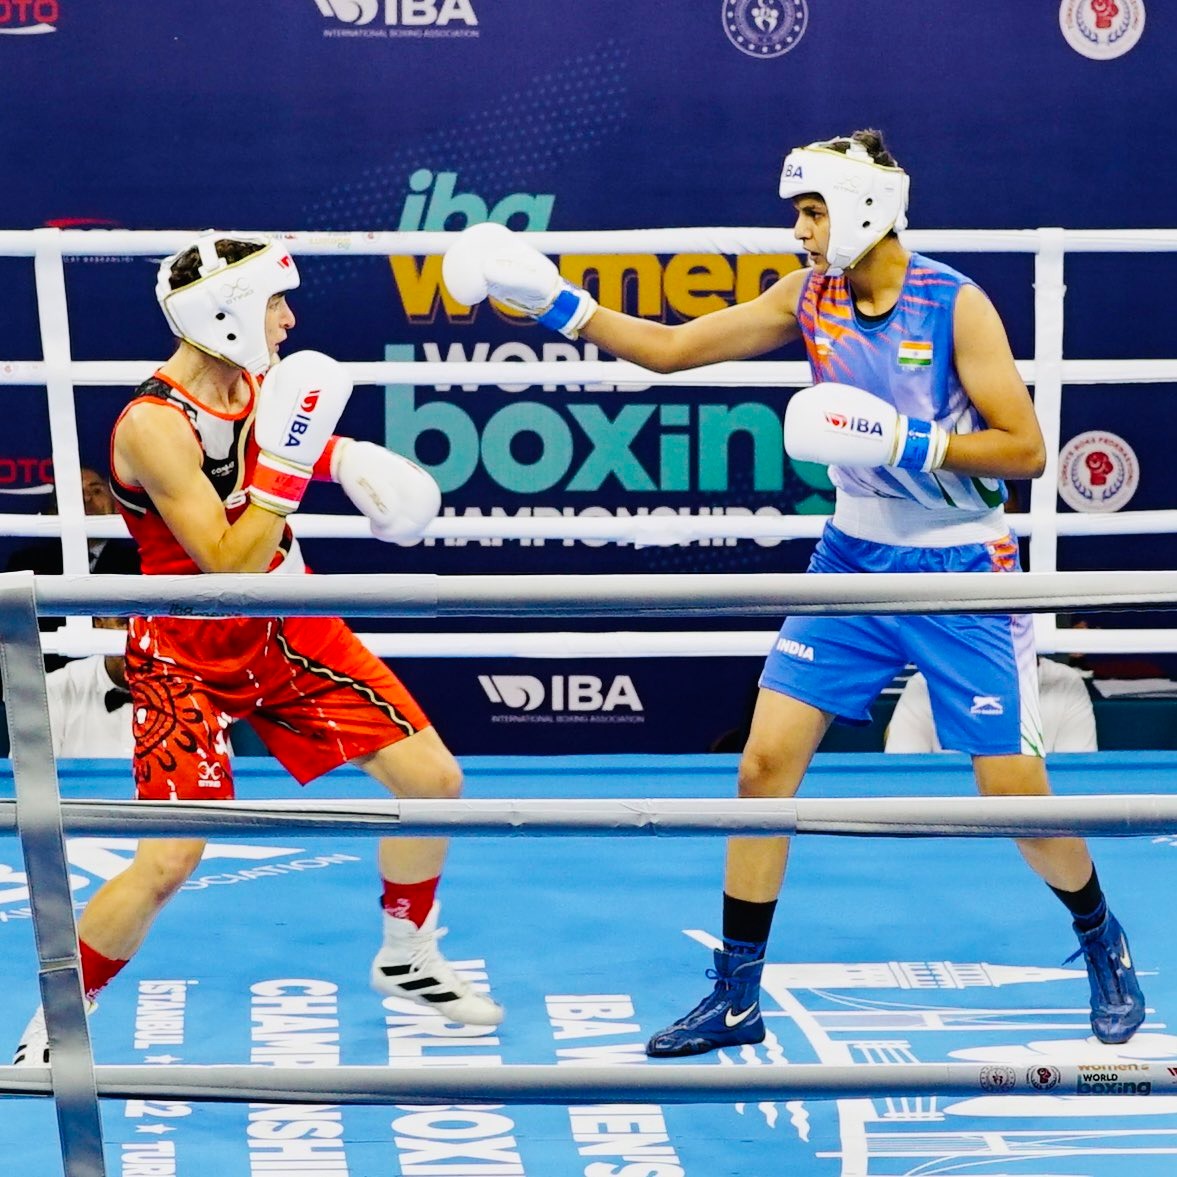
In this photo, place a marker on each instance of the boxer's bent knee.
(419, 766)
(759, 774)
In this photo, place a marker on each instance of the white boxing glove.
(398, 497)
(488, 260)
(840, 425)
(298, 406)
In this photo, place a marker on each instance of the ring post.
(38, 808)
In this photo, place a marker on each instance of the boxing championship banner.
(435, 114)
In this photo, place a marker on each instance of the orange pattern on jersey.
(829, 314)
(1003, 553)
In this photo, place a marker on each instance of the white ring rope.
(1120, 816)
(693, 239)
(560, 373)
(574, 645)
(422, 595)
(575, 1084)
(662, 527)
(633, 595)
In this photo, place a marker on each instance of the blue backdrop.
(387, 114)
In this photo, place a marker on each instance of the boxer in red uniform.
(207, 460)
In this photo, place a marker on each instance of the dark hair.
(186, 268)
(871, 140)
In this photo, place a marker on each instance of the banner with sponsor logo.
(433, 114)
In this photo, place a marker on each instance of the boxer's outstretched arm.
(489, 261)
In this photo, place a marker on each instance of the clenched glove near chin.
(298, 405)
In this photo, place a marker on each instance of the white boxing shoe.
(33, 1048)
(409, 965)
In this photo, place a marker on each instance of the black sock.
(1086, 905)
(746, 923)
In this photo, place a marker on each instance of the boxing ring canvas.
(884, 950)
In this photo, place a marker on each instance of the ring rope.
(637, 595)
(576, 1084)
(561, 373)
(1119, 816)
(573, 645)
(651, 530)
(692, 239)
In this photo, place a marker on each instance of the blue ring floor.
(884, 950)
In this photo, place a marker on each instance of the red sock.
(97, 969)
(409, 901)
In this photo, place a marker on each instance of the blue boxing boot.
(1117, 1004)
(728, 1016)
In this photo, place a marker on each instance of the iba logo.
(400, 18)
(583, 694)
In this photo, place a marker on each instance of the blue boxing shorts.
(982, 670)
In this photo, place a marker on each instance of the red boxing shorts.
(315, 695)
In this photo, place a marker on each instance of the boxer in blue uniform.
(919, 411)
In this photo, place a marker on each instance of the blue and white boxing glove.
(489, 260)
(840, 425)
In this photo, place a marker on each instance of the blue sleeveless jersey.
(906, 360)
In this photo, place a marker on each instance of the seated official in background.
(107, 556)
(90, 708)
(118, 556)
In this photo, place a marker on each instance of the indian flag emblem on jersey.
(915, 354)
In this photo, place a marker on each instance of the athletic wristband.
(569, 311)
(922, 445)
(322, 470)
(278, 485)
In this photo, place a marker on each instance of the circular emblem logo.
(1097, 471)
(1043, 1078)
(1101, 29)
(765, 28)
(998, 1078)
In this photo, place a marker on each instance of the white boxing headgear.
(865, 199)
(223, 312)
